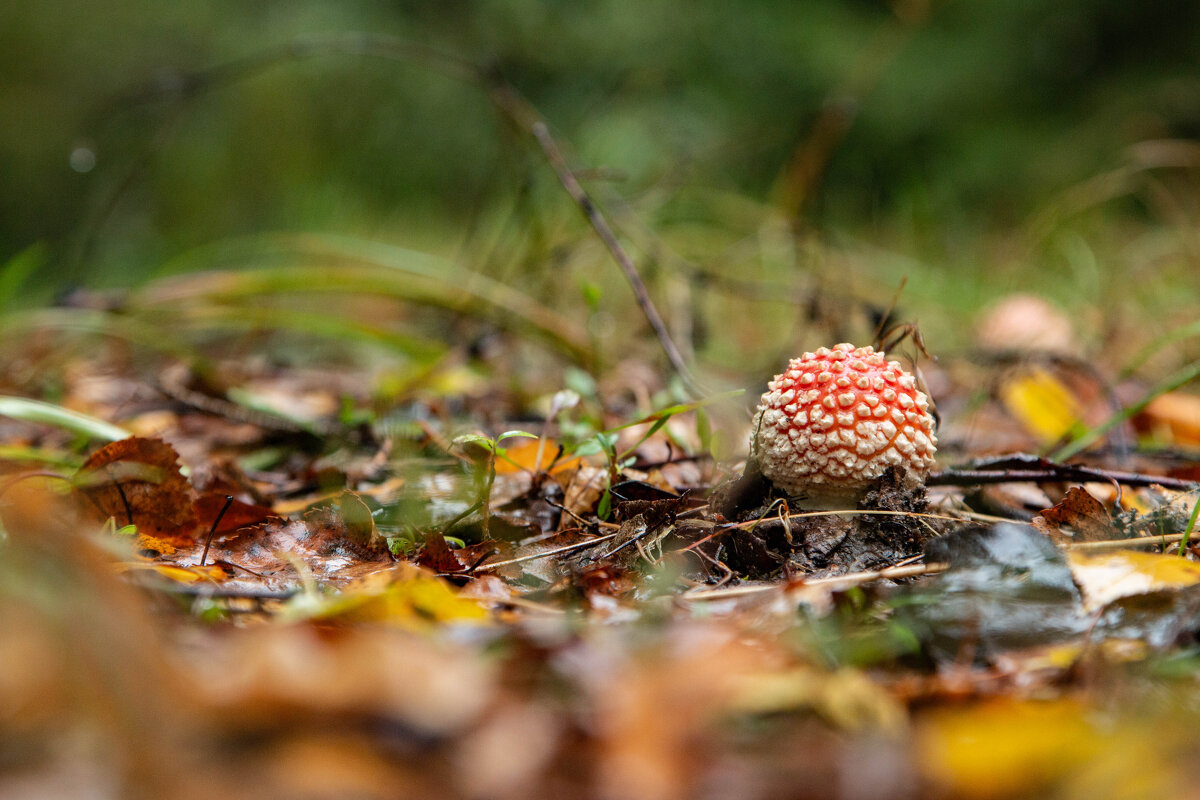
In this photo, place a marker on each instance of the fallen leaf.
(1172, 418)
(238, 515)
(1043, 404)
(1078, 510)
(406, 595)
(437, 555)
(1106, 577)
(137, 481)
(1015, 748)
(848, 698)
(522, 455)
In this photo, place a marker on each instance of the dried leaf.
(1080, 511)
(136, 481)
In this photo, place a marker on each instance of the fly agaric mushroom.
(836, 420)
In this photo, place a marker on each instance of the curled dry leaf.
(136, 481)
(1079, 511)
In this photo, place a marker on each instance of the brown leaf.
(349, 526)
(136, 481)
(1086, 515)
(270, 553)
(238, 515)
(437, 555)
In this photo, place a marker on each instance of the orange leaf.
(523, 455)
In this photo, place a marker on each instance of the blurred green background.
(767, 153)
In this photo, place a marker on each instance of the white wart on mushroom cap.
(837, 419)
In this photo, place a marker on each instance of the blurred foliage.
(975, 147)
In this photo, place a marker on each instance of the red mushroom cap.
(837, 419)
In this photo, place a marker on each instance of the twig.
(857, 512)
(213, 529)
(1121, 544)
(599, 224)
(556, 551)
(849, 579)
(1053, 473)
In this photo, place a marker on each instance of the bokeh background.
(771, 165)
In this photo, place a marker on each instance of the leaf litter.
(381, 611)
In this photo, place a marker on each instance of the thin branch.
(599, 224)
(847, 580)
(505, 97)
(1121, 544)
(1053, 472)
(554, 552)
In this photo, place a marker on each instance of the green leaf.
(704, 430)
(516, 434)
(604, 509)
(16, 271)
(486, 442)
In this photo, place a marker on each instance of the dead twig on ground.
(1021, 467)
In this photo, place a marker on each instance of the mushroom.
(838, 419)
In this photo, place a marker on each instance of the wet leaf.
(1007, 587)
(238, 515)
(1106, 577)
(437, 555)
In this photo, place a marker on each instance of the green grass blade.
(1167, 384)
(23, 408)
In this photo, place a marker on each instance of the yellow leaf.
(1042, 404)
(847, 697)
(1106, 577)
(1022, 749)
(1005, 748)
(210, 573)
(407, 596)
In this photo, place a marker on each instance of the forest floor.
(257, 575)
